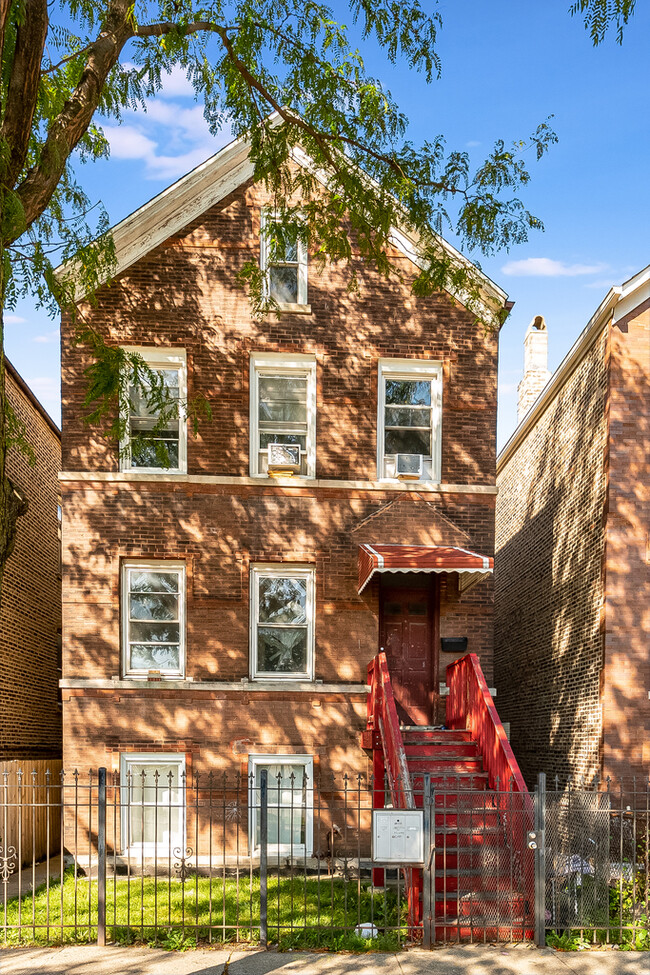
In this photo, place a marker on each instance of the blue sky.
(506, 66)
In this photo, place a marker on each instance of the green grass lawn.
(302, 913)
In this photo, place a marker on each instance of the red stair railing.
(470, 707)
(389, 757)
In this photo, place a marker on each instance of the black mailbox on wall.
(453, 644)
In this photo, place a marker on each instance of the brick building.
(572, 577)
(214, 618)
(30, 617)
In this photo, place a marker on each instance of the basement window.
(152, 787)
(282, 623)
(290, 785)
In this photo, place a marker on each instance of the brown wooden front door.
(407, 633)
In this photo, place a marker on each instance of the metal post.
(540, 861)
(264, 843)
(101, 858)
(429, 871)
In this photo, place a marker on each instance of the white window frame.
(272, 216)
(410, 369)
(299, 849)
(282, 570)
(160, 359)
(280, 364)
(161, 565)
(153, 759)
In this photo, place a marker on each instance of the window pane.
(408, 392)
(140, 395)
(151, 826)
(154, 632)
(152, 657)
(282, 650)
(144, 787)
(153, 606)
(282, 399)
(287, 800)
(153, 452)
(146, 581)
(408, 442)
(282, 600)
(283, 283)
(267, 438)
(403, 416)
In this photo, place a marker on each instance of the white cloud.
(472, 144)
(52, 336)
(127, 142)
(14, 319)
(175, 84)
(546, 267)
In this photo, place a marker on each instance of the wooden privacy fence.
(30, 809)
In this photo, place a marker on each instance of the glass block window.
(147, 448)
(153, 600)
(152, 802)
(283, 409)
(409, 417)
(282, 623)
(290, 803)
(284, 260)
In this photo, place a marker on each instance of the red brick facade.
(30, 618)
(572, 568)
(219, 521)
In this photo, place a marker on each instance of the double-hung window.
(284, 262)
(152, 802)
(283, 411)
(409, 419)
(155, 429)
(282, 623)
(290, 803)
(153, 619)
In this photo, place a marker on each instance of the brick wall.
(30, 618)
(548, 579)
(626, 676)
(185, 294)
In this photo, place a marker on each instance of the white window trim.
(298, 849)
(411, 369)
(153, 759)
(267, 216)
(281, 364)
(160, 358)
(155, 566)
(282, 570)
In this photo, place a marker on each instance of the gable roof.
(209, 183)
(619, 303)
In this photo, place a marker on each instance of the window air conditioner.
(408, 466)
(283, 458)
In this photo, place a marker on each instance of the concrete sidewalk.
(463, 960)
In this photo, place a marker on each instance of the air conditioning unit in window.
(283, 459)
(408, 466)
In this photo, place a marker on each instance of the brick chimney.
(536, 373)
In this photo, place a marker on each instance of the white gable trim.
(193, 194)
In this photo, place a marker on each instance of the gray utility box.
(398, 836)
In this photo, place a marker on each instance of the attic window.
(284, 260)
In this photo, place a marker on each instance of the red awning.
(469, 566)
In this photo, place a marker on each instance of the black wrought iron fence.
(150, 853)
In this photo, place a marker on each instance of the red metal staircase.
(477, 883)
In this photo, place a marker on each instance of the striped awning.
(469, 566)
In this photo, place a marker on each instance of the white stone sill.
(244, 687)
(300, 483)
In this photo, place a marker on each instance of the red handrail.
(382, 718)
(470, 706)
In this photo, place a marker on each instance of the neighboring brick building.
(263, 652)
(572, 569)
(30, 618)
